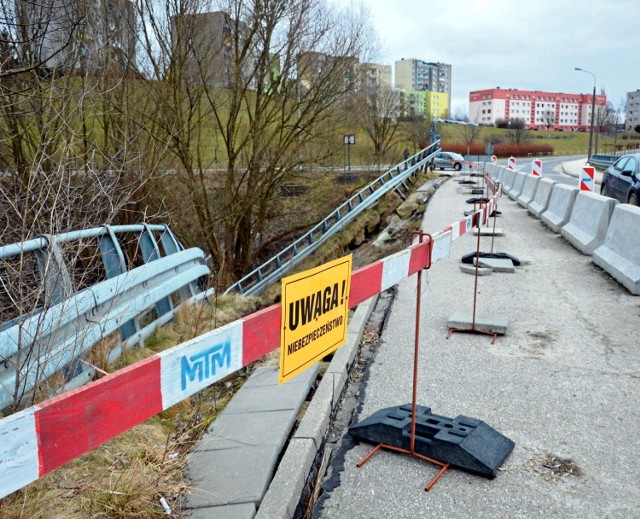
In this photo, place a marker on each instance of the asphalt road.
(562, 384)
(551, 168)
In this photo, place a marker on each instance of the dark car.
(622, 180)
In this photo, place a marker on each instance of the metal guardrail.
(56, 337)
(273, 269)
(603, 161)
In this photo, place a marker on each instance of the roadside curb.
(283, 494)
(572, 169)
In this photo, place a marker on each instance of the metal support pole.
(416, 350)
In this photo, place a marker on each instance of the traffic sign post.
(587, 178)
(349, 139)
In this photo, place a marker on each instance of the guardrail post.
(57, 280)
(151, 252)
(171, 245)
(115, 265)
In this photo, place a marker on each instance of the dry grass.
(127, 476)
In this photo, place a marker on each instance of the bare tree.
(378, 115)
(605, 120)
(470, 133)
(418, 130)
(517, 134)
(68, 160)
(265, 80)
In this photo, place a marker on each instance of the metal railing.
(56, 337)
(273, 269)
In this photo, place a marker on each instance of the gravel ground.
(562, 384)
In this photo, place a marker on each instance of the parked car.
(622, 180)
(448, 159)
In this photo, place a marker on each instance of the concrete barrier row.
(595, 225)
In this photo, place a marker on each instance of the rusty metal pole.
(416, 347)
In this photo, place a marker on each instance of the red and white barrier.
(536, 168)
(511, 163)
(494, 159)
(587, 178)
(41, 438)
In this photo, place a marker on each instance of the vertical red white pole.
(587, 178)
(511, 163)
(536, 168)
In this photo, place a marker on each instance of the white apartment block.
(539, 110)
(632, 110)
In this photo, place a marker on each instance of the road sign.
(350, 139)
(315, 309)
(511, 163)
(489, 149)
(587, 178)
(536, 168)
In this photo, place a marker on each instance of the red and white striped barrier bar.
(511, 163)
(40, 439)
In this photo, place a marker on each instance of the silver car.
(448, 159)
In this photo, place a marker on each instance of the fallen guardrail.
(55, 337)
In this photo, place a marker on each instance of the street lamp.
(593, 109)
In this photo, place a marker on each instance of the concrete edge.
(283, 494)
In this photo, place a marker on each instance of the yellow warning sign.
(315, 309)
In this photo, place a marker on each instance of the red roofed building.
(539, 110)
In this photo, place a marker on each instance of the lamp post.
(593, 109)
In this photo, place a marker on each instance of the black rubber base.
(464, 442)
(468, 258)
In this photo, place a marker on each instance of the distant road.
(551, 168)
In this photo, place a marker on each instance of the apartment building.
(374, 78)
(415, 74)
(203, 45)
(423, 103)
(78, 34)
(632, 110)
(539, 110)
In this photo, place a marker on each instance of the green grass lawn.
(563, 143)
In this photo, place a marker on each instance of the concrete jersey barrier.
(540, 201)
(589, 221)
(619, 254)
(528, 190)
(560, 207)
(517, 186)
(508, 177)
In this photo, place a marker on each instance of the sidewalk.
(573, 168)
(562, 384)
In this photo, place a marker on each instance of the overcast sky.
(524, 44)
